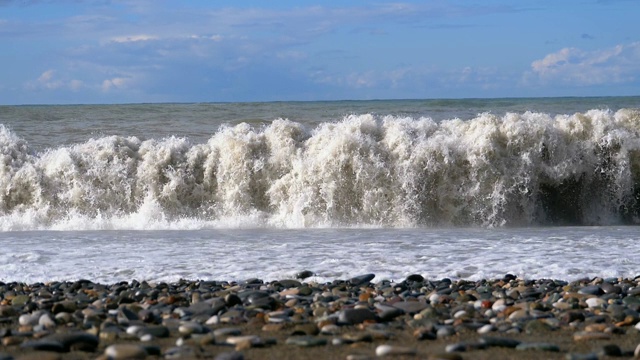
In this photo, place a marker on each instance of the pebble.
(355, 316)
(190, 327)
(235, 340)
(304, 274)
(125, 351)
(361, 280)
(465, 346)
(499, 342)
(227, 332)
(63, 317)
(595, 302)
(590, 336)
(389, 350)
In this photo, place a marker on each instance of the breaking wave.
(520, 169)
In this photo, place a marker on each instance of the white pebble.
(134, 329)
(214, 320)
(384, 350)
(486, 329)
(459, 314)
(125, 351)
(234, 340)
(595, 302)
(46, 321)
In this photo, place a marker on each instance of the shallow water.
(238, 254)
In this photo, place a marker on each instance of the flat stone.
(485, 329)
(44, 345)
(392, 350)
(591, 290)
(589, 336)
(491, 341)
(361, 280)
(388, 313)
(125, 351)
(465, 346)
(227, 332)
(290, 283)
(235, 340)
(76, 341)
(355, 316)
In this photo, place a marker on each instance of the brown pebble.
(273, 327)
(588, 336)
(12, 340)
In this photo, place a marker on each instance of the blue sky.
(75, 51)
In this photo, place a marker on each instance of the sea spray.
(518, 169)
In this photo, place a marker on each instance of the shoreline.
(416, 318)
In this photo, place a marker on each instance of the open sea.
(472, 188)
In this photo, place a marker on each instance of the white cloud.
(49, 81)
(114, 83)
(133, 38)
(619, 64)
(46, 76)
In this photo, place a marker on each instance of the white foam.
(366, 170)
(269, 254)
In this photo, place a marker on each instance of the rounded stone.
(388, 350)
(125, 351)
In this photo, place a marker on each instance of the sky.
(133, 51)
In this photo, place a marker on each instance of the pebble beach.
(299, 318)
